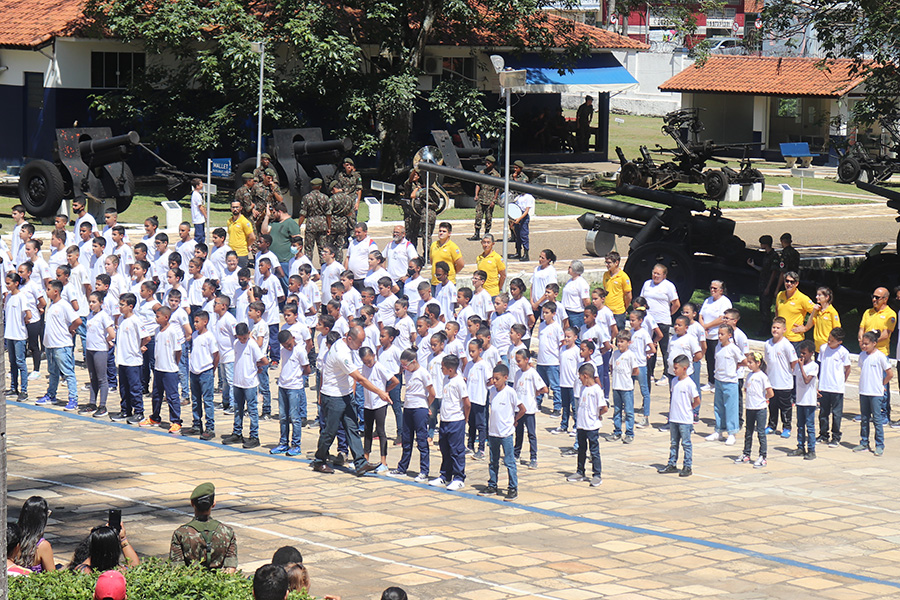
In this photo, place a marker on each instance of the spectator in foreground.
(106, 547)
(110, 586)
(204, 539)
(286, 555)
(12, 552)
(35, 553)
(270, 582)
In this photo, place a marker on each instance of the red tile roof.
(31, 23)
(767, 76)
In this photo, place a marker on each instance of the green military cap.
(349, 161)
(316, 181)
(519, 164)
(265, 155)
(204, 489)
(247, 176)
(490, 158)
(271, 172)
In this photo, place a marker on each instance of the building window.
(459, 67)
(789, 107)
(116, 69)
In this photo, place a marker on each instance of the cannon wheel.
(111, 188)
(756, 176)
(641, 261)
(715, 182)
(631, 175)
(41, 188)
(881, 270)
(848, 169)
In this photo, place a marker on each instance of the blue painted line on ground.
(675, 537)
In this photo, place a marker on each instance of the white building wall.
(651, 69)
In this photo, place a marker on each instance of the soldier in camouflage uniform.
(244, 195)
(349, 181)
(317, 208)
(342, 218)
(485, 199)
(265, 194)
(204, 539)
(265, 163)
(518, 174)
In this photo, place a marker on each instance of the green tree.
(862, 30)
(319, 60)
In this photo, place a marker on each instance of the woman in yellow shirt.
(491, 263)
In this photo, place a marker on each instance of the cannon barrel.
(343, 145)
(97, 146)
(585, 201)
(663, 197)
(470, 152)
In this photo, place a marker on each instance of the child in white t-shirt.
(728, 358)
(375, 409)
(806, 375)
(757, 391)
(874, 374)
(550, 338)
(528, 384)
(685, 397)
(389, 357)
(516, 334)
(834, 369)
(623, 371)
(643, 347)
(568, 373)
(478, 374)
(419, 397)
(591, 408)
(454, 413)
(506, 410)
(781, 359)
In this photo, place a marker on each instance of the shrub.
(153, 579)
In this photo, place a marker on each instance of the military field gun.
(872, 165)
(688, 160)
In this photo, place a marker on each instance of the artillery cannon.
(872, 165)
(89, 163)
(688, 161)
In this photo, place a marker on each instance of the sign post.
(220, 167)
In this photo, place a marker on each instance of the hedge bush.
(153, 579)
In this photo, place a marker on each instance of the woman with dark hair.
(35, 552)
(106, 548)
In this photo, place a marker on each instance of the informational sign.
(758, 24)
(220, 167)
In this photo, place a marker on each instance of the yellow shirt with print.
(794, 311)
(883, 319)
(449, 253)
(616, 287)
(824, 322)
(239, 231)
(491, 264)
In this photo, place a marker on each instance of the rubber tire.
(41, 188)
(848, 169)
(641, 261)
(715, 182)
(757, 177)
(631, 175)
(111, 190)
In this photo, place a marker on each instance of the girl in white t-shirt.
(874, 374)
(478, 373)
(528, 385)
(389, 358)
(757, 391)
(375, 409)
(728, 358)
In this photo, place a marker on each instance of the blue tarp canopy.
(595, 74)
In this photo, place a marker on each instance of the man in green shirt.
(282, 228)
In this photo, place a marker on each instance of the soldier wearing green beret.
(315, 207)
(485, 199)
(204, 539)
(265, 162)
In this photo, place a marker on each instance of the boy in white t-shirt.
(685, 397)
(550, 338)
(294, 369)
(834, 369)
(568, 373)
(202, 365)
(781, 359)
(591, 408)
(623, 370)
(874, 374)
(482, 304)
(501, 322)
(454, 413)
(516, 335)
(505, 411)
(130, 346)
(60, 324)
(806, 374)
(528, 385)
(259, 330)
(419, 397)
(643, 347)
(404, 324)
(478, 375)
(165, 371)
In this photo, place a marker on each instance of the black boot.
(476, 237)
(524, 256)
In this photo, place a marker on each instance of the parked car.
(726, 45)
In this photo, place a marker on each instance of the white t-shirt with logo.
(504, 406)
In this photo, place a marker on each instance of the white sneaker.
(662, 381)
(455, 485)
(439, 482)
(760, 463)
(34, 375)
(707, 388)
(421, 478)
(729, 441)
(713, 437)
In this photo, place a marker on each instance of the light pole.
(508, 80)
(259, 47)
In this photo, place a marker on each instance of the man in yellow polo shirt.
(618, 288)
(240, 234)
(794, 306)
(881, 317)
(445, 250)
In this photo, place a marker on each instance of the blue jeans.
(589, 439)
(61, 361)
(831, 404)
(433, 417)
(130, 390)
(680, 433)
(111, 370)
(183, 371)
(453, 450)
(623, 401)
(199, 232)
(550, 375)
(359, 402)
(526, 423)
(338, 410)
(521, 232)
(620, 321)
(18, 368)
(264, 390)
(228, 389)
(149, 364)
(202, 400)
(290, 416)
(82, 333)
(604, 373)
(644, 384)
(242, 397)
(509, 460)
(274, 351)
(725, 407)
(576, 320)
(165, 384)
(396, 404)
(415, 424)
(870, 407)
(806, 428)
(695, 377)
(568, 407)
(477, 426)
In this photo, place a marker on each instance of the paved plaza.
(796, 529)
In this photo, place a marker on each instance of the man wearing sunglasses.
(883, 319)
(794, 306)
